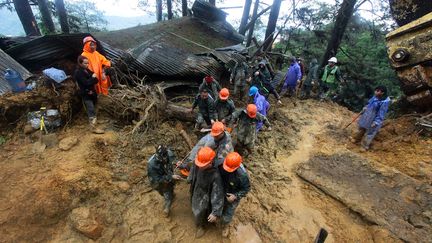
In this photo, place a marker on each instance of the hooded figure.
(311, 78)
(161, 176)
(97, 64)
(372, 117)
(261, 103)
(262, 80)
(292, 77)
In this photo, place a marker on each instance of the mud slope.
(105, 175)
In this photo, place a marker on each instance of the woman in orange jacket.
(97, 64)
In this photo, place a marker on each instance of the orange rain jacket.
(96, 64)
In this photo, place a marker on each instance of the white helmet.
(333, 59)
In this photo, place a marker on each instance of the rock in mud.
(50, 140)
(123, 186)
(67, 143)
(28, 129)
(84, 222)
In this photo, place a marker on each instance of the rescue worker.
(261, 79)
(261, 103)
(86, 81)
(236, 185)
(224, 107)
(302, 66)
(292, 78)
(311, 78)
(218, 139)
(98, 64)
(211, 85)
(160, 174)
(372, 117)
(238, 78)
(206, 109)
(206, 189)
(246, 131)
(331, 79)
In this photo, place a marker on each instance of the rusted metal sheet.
(8, 62)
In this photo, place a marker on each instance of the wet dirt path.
(305, 218)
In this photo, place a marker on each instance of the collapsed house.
(178, 52)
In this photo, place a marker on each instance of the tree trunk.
(159, 10)
(179, 112)
(271, 25)
(344, 14)
(169, 9)
(255, 17)
(212, 2)
(251, 29)
(62, 15)
(25, 14)
(245, 16)
(46, 15)
(184, 8)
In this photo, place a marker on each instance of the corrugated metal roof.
(43, 52)
(8, 62)
(155, 58)
(162, 60)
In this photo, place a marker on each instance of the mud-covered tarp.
(382, 195)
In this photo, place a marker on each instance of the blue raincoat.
(293, 74)
(262, 106)
(375, 112)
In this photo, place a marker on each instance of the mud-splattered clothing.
(224, 110)
(236, 183)
(213, 88)
(246, 127)
(207, 195)
(206, 109)
(160, 175)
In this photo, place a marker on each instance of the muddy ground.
(98, 189)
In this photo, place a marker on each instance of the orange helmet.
(224, 94)
(217, 129)
(232, 161)
(251, 110)
(87, 39)
(204, 157)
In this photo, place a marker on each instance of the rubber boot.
(200, 232)
(167, 205)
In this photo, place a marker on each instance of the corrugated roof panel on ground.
(8, 62)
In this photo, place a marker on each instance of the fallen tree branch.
(187, 138)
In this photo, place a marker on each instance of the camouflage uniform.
(224, 110)
(236, 183)
(238, 75)
(263, 82)
(206, 111)
(207, 195)
(221, 147)
(213, 88)
(160, 175)
(246, 129)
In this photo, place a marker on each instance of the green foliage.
(84, 16)
(362, 57)
(2, 140)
